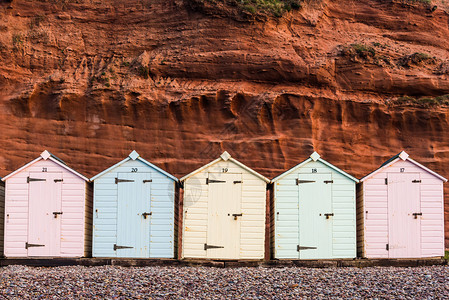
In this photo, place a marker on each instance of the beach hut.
(134, 210)
(224, 211)
(400, 211)
(314, 212)
(2, 216)
(48, 210)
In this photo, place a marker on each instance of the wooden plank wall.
(2, 216)
(88, 212)
(360, 221)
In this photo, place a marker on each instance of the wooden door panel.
(315, 230)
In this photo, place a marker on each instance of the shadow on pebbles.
(112, 282)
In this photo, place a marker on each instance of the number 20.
(134, 170)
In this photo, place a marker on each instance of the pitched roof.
(135, 156)
(225, 156)
(315, 157)
(405, 157)
(47, 155)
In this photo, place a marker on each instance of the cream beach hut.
(224, 211)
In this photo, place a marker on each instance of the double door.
(44, 214)
(133, 215)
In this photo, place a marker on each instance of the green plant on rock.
(274, 8)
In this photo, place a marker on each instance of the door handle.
(417, 214)
(329, 215)
(56, 213)
(236, 215)
(145, 214)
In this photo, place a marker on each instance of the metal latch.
(299, 248)
(148, 180)
(145, 214)
(58, 180)
(417, 214)
(29, 179)
(206, 246)
(386, 180)
(387, 247)
(236, 215)
(56, 213)
(238, 181)
(329, 215)
(32, 245)
(416, 181)
(303, 181)
(328, 181)
(122, 180)
(121, 247)
(214, 181)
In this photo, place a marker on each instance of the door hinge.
(148, 180)
(417, 214)
(58, 180)
(416, 181)
(386, 180)
(238, 181)
(328, 181)
(387, 247)
(27, 245)
(298, 182)
(121, 247)
(122, 180)
(206, 246)
(214, 181)
(299, 248)
(29, 179)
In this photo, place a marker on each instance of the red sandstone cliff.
(91, 81)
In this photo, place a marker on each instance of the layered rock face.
(91, 81)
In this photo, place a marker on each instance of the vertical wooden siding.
(105, 212)
(252, 230)
(343, 206)
(88, 220)
(376, 220)
(2, 217)
(360, 221)
(73, 207)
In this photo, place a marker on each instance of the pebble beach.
(113, 282)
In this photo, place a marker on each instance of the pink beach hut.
(400, 211)
(48, 210)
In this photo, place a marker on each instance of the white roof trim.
(410, 160)
(131, 155)
(50, 158)
(320, 160)
(222, 159)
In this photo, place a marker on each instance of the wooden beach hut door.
(224, 215)
(134, 214)
(44, 214)
(404, 230)
(315, 216)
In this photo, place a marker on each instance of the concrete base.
(135, 262)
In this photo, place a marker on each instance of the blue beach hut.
(314, 212)
(134, 210)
